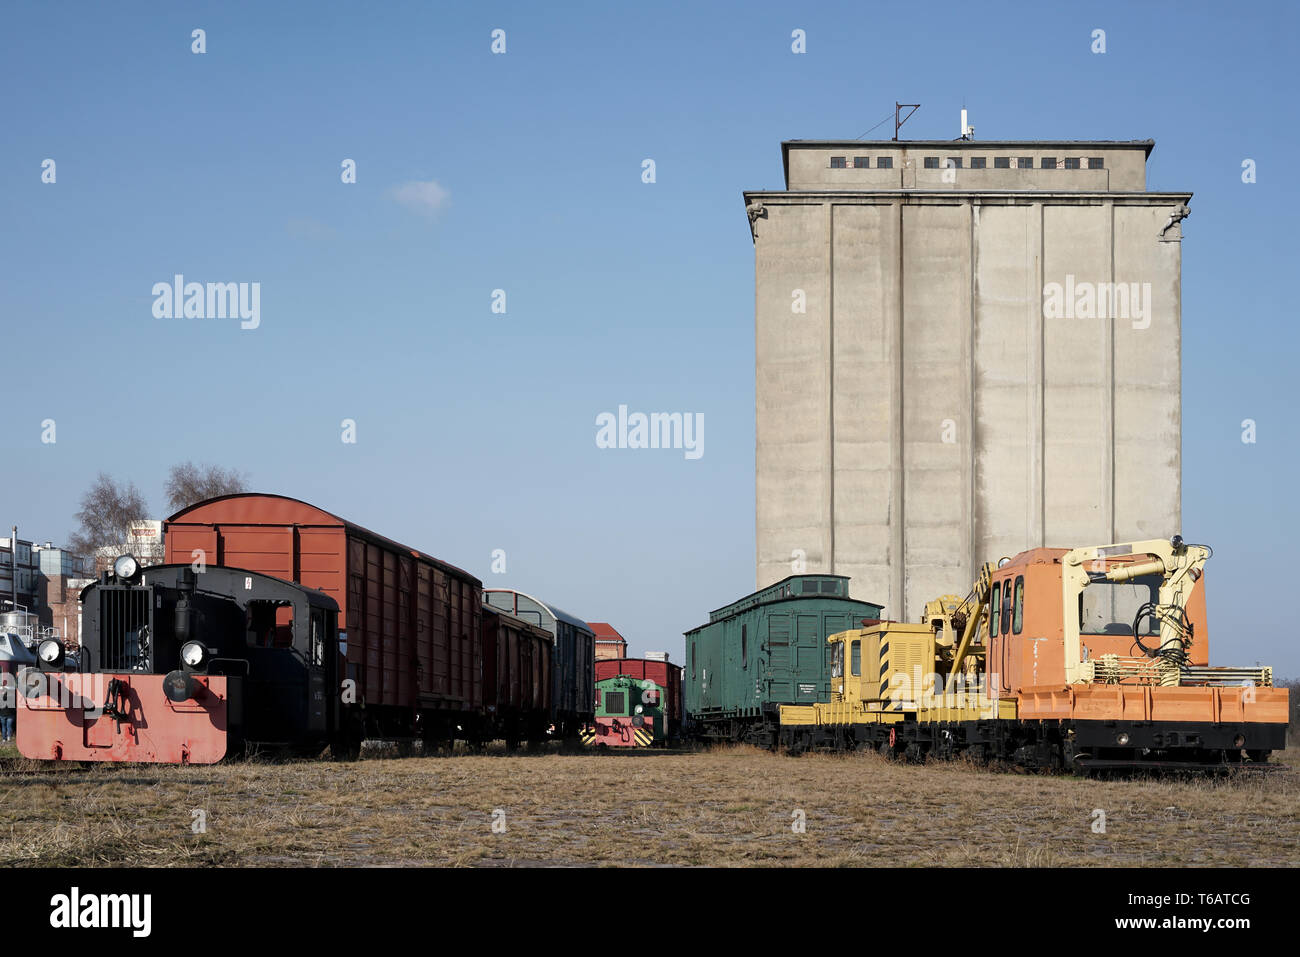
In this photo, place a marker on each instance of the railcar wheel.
(345, 747)
(945, 748)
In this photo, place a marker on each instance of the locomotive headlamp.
(639, 709)
(178, 686)
(1122, 738)
(50, 652)
(194, 654)
(125, 567)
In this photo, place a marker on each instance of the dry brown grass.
(727, 807)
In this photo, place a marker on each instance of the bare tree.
(107, 510)
(188, 483)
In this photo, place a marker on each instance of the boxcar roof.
(267, 508)
(519, 622)
(776, 593)
(644, 661)
(773, 591)
(554, 612)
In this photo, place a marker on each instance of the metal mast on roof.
(899, 122)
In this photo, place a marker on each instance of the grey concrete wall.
(866, 312)
(793, 390)
(936, 506)
(925, 414)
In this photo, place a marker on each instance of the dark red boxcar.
(663, 673)
(516, 676)
(413, 622)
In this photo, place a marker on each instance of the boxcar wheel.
(345, 747)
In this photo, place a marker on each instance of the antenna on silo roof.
(967, 131)
(898, 107)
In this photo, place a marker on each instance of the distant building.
(61, 606)
(19, 572)
(144, 541)
(57, 562)
(46, 599)
(62, 574)
(609, 643)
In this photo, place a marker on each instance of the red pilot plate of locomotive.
(619, 732)
(121, 717)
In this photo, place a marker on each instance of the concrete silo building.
(964, 349)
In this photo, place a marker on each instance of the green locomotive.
(630, 713)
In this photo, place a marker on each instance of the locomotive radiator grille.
(124, 628)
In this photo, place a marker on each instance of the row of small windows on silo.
(862, 162)
(978, 162)
(1022, 162)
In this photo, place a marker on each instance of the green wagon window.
(1019, 614)
(855, 659)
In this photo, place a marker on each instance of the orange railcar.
(412, 623)
(1088, 670)
(1087, 658)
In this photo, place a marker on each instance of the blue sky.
(475, 431)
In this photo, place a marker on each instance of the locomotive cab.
(179, 665)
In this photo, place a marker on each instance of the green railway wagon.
(766, 650)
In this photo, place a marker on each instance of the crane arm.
(979, 601)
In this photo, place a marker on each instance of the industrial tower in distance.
(964, 349)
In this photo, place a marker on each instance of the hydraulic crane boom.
(1178, 566)
(974, 611)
